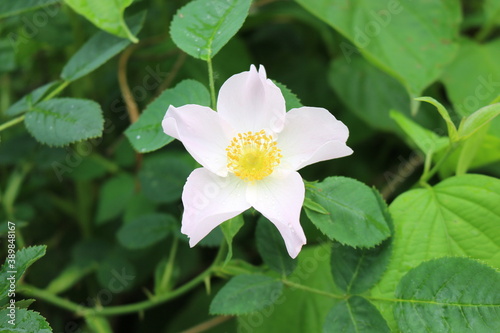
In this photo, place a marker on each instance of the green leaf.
(427, 141)
(230, 228)
(312, 272)
(291, 100)
(352, 78)
(11, 8)
(25, 321)
(61, 121)
(114, 197)
(27, 101)
(410, 40)
(314, 206)
(7, 56)
(449, 295)
(24, 258)
(106, 15)
(452, 130)
(478, 119)
(355, 314)
(163, 176)
(472, 80)
(146, 134)
(355, 216)
(202, 28)
(458, 216)
(69, 276)
(145, 230)
(357, 270)
(492, 11)
(246, 293)
(272, 248)
(470, 149)
(116, 273)
(25, 303)
(98, 49)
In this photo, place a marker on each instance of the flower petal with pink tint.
(279, 198)
(210, 200)
(311, 135)
(204, 135)
(249, 101)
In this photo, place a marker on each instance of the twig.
(208, 324)
(132, 108)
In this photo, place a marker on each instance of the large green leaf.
(298, 310)
(146, 134)
(106, 15)
(163, 176)
(145, 230)
(25, 321)
(98, 49)
(203, 27)
(381, 92)
(24, 258)
(272, 248)
(459, 216)
(355, 216)
(246, 293)
(449, 295)
(10, 8)
(411, 40)
(473, 79)
(355, 314)
(61, 121)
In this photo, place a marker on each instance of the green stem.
(427, 175)
(57, 90)
(485, 31)
(169, 268)
(211, 82)
(11, 122)
(12, 189)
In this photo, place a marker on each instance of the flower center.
(252, 156)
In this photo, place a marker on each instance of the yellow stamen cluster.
(252, 156)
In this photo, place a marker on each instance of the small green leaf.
(470, 149)
(202, 28)
(246, 293)
(146, 134)
(357, 270)
(291, 100)
(272, 248)
(145, 230)
(478, 119)
(355, 216)
(23, 259)
(61, 121)
(27, 101)
(116, 272)
(11, 8)
(355, 314)
(449, 295)
(25, 321)
(452, 129)
(230, 228)
(106, 15)
(314, 206)
(428, 141)
(98, 49)
(114, 197)
(163, 176)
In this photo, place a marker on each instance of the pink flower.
(250, 151)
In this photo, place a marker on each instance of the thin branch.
(208, 324)
(132, 108)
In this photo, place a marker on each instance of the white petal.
(210, 200)
(251, 102)
(280, 199)
(311, 135)
(204, 134)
